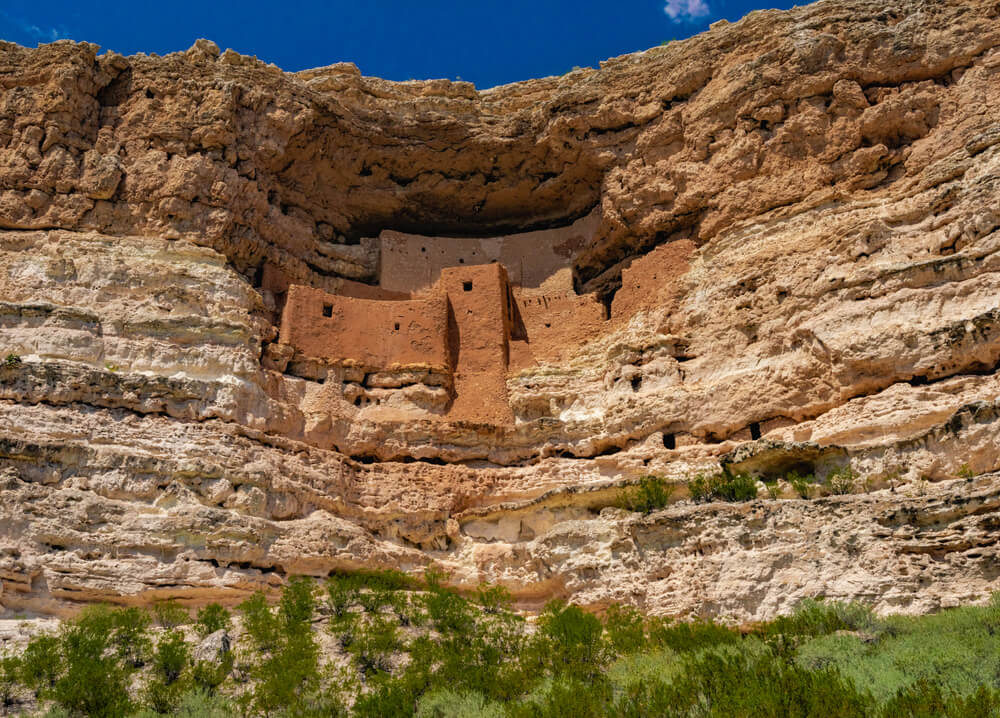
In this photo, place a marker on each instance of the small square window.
(327, 310)
(396, 326)
(467, 286)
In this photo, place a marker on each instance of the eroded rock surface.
(791, 238)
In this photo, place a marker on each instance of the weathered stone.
(787, 227)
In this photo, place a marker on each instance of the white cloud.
(686, 10)
(39, 34)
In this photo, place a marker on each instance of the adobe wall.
(554, 324)
(411, 262)
(376, 334)
(480, 300)
(652, 279)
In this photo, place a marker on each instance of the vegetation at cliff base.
(382, 644)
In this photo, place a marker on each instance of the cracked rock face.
(796, 225)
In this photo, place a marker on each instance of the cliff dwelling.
(456, 314)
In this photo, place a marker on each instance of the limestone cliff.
(774, 245)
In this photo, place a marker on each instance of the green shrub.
(699, 489)
(129, 626)
(341, 593)
(625, 628)
(286, 670)
(964, 472)
(842, 481)
(448, 611)
(719, 685)
(736, 487)
(10, 680)
(573, 639)
(446, 703)
(374, 644)
(212, 618)
(802, 485)
(196, 704)
(690, 636)
(258, 622)
(494, 599)
(171, 614)
(93, 680)
(41, 663)
(568, 695)
(11, 360)
(652, 493)
(723, 487)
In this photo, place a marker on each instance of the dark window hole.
(467, 286)
(636, 383)
(396, 326)
(669, 442)
(327, 310)
(755, 431)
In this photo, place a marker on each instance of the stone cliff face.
(792, 222)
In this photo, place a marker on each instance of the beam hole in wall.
(461, 261)
(548, 325)
(669, 442)
(327, 310)
(755, 431)
(467, 286)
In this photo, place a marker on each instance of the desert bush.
(41, 663)
(818, 618)
(625, 628)
(164, 686)
(493, 599)
(573, 639)
(723, 487)
(374, 645)
(801, 485)
(10, 680)
(652, 493)
(128, 635)
(446, 703)
(195, 703)
(11, 360)
(689, 636)
(342, 593)
(285, 673)
(170, 614)
(723, 684)
(212, 618)
(93, 678)
(448, 611)
(568, 695)
(842, 481)
(699, 489)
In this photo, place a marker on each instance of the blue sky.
(484, 41)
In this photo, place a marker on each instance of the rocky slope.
(832, 175)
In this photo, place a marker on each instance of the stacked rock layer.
(795, 231)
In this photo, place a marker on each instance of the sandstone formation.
(264, 323)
